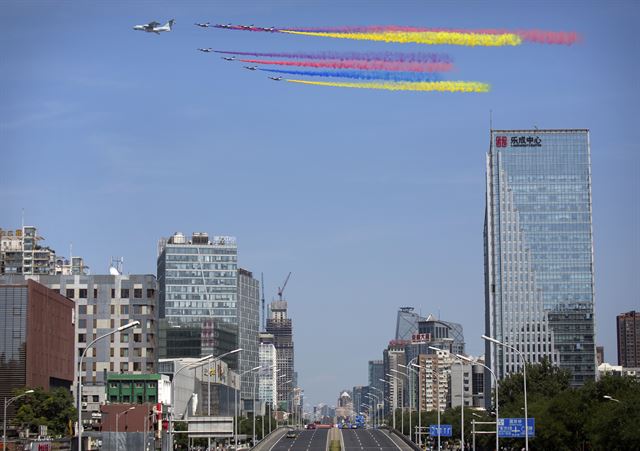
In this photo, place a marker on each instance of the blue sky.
(111, 138)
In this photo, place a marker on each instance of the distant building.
(21, 253)
(138, 388)
(607, 369)
(471, 385)
(406, 323)
(628, 328)
(281, 327)
(434, 377)
(37, 349)
(539, 294)
(443, 334)
(267, 387)
(396, 389)
(599, 355)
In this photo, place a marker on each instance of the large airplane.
(251, 67)
(207, 50)
(276, 78)
(228, 58)
(154, 27)
(202, 25)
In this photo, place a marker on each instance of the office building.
(599, 355)
(396, 388)
(438, 333)
(281, 327)
(539, 294)
(628, 328)
(37, 347)
(434, 377)
(198, 295)
(470, 388)
(248, 326)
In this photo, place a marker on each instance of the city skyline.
(373, 200)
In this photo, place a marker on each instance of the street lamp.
(610, 398)
(461, 394)
(254, 403)
(7, 402)
(173, 386)
(390, 401)
(117, 430)
(473, 362)
(411, 391)
(119, 329)
(383, 404)
(407, 376)
(401, 391)
(524, 373)
(377, 400)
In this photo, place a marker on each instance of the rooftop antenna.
(264, 318)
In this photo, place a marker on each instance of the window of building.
(124, 338)
(137, 293)
(113, 293)
(95, 293)
(124, 292)
(124, 309)
(112, 352)
(124, 352)
(151, 293)
(82, 309)
(136, 367)
(70, 293)
(82, 338)
(137, 338)
(82, 323)
(113, 309)
(82, 293)
(124, 367)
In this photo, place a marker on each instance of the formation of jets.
(154, 27)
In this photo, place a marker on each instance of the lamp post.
(236, 403)
(391, 402)
(191, 365)
(79, 390)
(402, 401)
(377, 401)
(473, 362)
(254, 403)
(407, 376)
(383, 403)
(458, 360)
(524, 373)
(419, 403)
(411, 391)
(7, 402)
(287, 383)
(124, 412)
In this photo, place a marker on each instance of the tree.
(53, 409)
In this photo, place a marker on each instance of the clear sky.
(112, 138)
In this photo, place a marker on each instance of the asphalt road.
(313, 440)
(370, 440)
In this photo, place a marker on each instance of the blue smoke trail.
(362, 75)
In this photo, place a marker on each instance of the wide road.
(371, 440)
(313, 440)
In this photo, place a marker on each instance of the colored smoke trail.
(534, 36)
(362, 65)
(356, 56)
(363, 75)
(439, 86)
(425, 37)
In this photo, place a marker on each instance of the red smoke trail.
(362, 65)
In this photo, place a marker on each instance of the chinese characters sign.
(518, 141)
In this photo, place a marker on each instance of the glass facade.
(539, 250)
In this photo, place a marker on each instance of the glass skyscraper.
(539, 294)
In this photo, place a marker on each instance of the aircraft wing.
(152, 25)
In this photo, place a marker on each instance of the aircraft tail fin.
(170, 24)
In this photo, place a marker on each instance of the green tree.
(53, 409)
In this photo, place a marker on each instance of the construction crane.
(264, 318)
(284, 285)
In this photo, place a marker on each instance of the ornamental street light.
(79, 390)
(401, 391)
(254, 403)
(458, 360)
(474, 362)
(124, 412)
(402, 417)
(383, 403)
(7, 402)
(610, 398)
(419, 403)
(411, 391)
(524, 373)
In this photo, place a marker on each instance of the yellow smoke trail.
(424, 37)
(441, 86)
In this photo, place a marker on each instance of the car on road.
(292, 433)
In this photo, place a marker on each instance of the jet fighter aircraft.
(207, 50)
(228, 58)
(154, 27)
(202, 25)
(221, 25)
(276, 78)
(251, 67)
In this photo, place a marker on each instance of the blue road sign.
(445, 430)
(514, 427)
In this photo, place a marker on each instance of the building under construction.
(281, 327)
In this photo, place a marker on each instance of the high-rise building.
(539, 251)
(396, 387)
(36, 349)
(628, 326)
(434, 378)
(599, 355)
(248, 325)
(22, 253)
(442, 334)
(198, 296)
(267, 388)
(281, 327)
